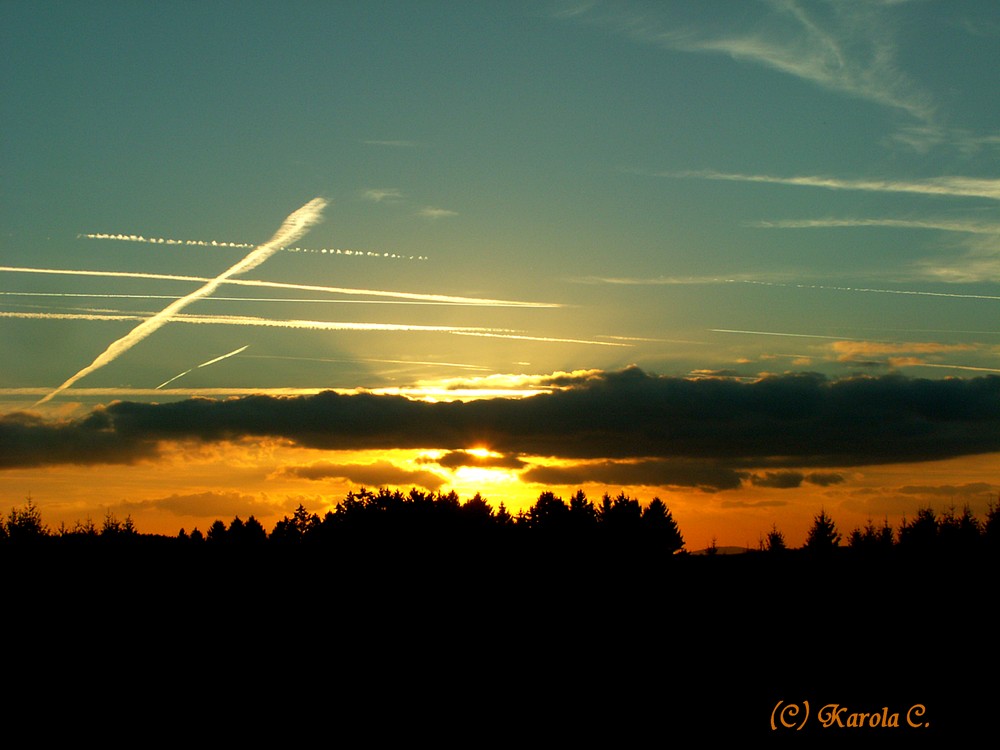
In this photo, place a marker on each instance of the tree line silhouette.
(599, 596)
(389, 513)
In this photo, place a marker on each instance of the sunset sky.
(740, 255)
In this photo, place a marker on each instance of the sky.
(741, 255)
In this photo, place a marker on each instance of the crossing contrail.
(219, 298)
(440, 298)
(309, 325)
(296, 225)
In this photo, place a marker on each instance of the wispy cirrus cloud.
(852, 351)
(208, 505)
(979, 262)
(942, 225)
(952, 185)
(849, 48)
(430, 212)
(381, 194)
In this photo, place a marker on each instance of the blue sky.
(699, 189)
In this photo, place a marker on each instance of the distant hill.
(723, 551)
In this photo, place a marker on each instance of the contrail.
(204, 364)
(310, 325)
(281, 285)
(218, 298)
(960, 367)
(773, 333)
(246, 245)
(296, 225)
(370, 359)
(864, 289)
(247, 320)
(535, 338)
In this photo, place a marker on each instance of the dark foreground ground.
(483, 644)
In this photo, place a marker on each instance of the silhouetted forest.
(417, 515)
(427, 617)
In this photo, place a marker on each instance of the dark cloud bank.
(704, 432)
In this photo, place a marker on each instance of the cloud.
(942, 225)
(824, 479)
(707, 373)
(648, 281)
(380, 473)
(380, 194)
(844, 47)
(754, 504)
(951, 186)
(430, 212)
(209, 505)
(458, 459)
(500, 382)
(853, 351)
(707, 476)
(950, 491)
(776, 422)
(980, 262)
(781, 480)
(906, 500)
(29, 441)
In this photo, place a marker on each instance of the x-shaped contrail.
(296, 225)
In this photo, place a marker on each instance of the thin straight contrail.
(204, 364)
(296, 225)
(246, 245)
(218, 298)
(443, 298)
(310, 325)
(775, 333)
(909, 292)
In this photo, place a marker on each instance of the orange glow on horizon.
(192, 484)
